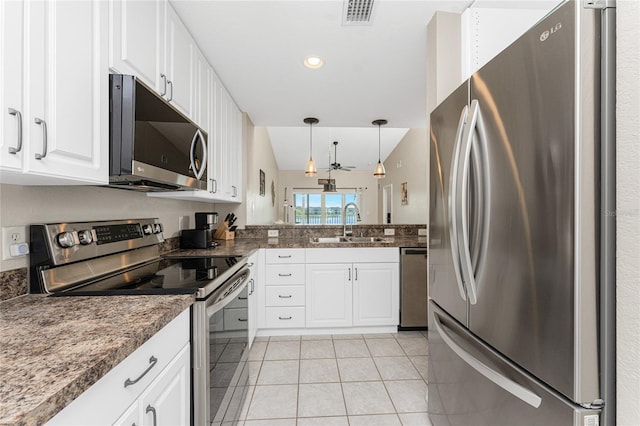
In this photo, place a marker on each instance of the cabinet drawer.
(285, 256)
(235, 318)
(284, 295)
(285, 274)
(286, 317)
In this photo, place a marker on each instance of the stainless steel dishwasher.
(414, 293)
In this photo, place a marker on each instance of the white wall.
(408, 162)
(23, 205)
(353, 179)
(628, 213)
(259, 156)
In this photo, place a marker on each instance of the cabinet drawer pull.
(18, 148)
(152, 362)
(356, 273)
(284, 275)
(284, 257)
(285, 318)
(242, 319)
(42, 123)
(152, 410)
(349, 274)
(171, 87)
(284, 297)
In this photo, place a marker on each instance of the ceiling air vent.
(357, 12)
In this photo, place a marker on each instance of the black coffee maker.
(202, 236)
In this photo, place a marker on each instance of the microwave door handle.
(453, 231)
(192, 154)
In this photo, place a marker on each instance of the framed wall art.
(262, 184)
(404, 193)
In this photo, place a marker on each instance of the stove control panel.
(71, 242)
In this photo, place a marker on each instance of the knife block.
(223, 233)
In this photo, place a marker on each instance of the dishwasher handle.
(406, 251)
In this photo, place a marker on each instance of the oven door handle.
(243, 279)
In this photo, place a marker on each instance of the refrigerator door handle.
(462, 198)
(453, 211)
(505, 383)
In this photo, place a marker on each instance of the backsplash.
(308, 231)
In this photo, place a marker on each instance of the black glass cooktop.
(164, 276)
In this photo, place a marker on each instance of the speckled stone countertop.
(54, 348)
(245, 246)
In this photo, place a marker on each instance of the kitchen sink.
(339, 239)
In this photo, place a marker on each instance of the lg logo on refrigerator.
(545, 35)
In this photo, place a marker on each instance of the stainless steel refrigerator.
(520, 255)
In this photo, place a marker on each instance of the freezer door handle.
(453, 230)
(505, 383)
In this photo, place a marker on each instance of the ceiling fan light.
(311, 168)
(379, 172)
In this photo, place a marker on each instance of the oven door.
(220, 342)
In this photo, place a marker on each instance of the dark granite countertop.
(246, 246)
(54, 348)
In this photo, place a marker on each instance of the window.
(318, 208)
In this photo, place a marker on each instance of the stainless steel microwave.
(152, 145)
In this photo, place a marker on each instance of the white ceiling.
(376, 71)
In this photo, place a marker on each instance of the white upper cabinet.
(61, 95)
(136, 31)
(149, 40)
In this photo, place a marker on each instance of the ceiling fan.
(335, 165)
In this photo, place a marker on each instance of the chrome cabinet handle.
(18, 148)
(349, 274)
(242, 319)
(356, 269)
(284, 257)
(171, 87)
(152, 410)
(285, 318)
(253, 285)
(235, 191)
(44, 138)
(164, 87)
(284, 297)
(284, 275)
(212, 181)
(152, 362)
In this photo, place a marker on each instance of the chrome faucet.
(346, 233)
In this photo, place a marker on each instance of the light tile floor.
(339, 380)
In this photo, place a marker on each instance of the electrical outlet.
(273, 233)
(183, 223)
(389, 231)
(12, 235)
(422, 232)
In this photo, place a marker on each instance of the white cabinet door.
(166, 402)
(67, 86)
(376, 294)
(131, 417)
(180, 52)
(136, 31)
(202, 93)
(328, 295)
(11, 84)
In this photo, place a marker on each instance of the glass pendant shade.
(311, 166)
(379, 171)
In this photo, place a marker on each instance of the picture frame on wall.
(404, 193)
(262, 184)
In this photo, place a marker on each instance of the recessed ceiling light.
(313, 62)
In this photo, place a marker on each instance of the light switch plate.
(389, 231)
(273, 233)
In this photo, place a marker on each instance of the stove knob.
(147, 229)
(157, 228)
(66, 239)
(85, 237)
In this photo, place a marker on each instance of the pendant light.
(379, 172)
(311, 166)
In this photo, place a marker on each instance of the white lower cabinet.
(376, 294)
(152, 386)
(329, 295)
(284, 288)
